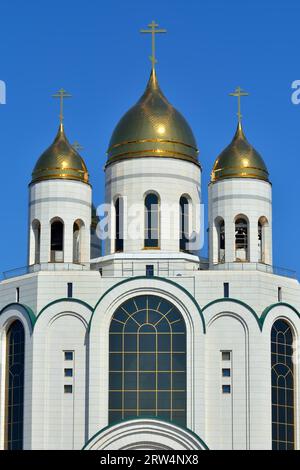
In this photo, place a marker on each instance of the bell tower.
(240, 203)
(59, 204)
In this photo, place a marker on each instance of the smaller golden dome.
(60, 161)
(239, 160)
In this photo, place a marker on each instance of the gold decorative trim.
(155, 153)
(151, 248)
(60, 176)
(160, 141)
(41, 170)
(241, 168)
(234, 175)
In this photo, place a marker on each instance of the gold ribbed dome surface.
(152, 128)
(60, 161)
(239, 160)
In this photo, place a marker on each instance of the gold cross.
(238, 92)
(76, 146)
(61, 94)
(153, 31)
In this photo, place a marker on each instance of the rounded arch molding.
(99, 342)
(154, 285)
(145, 434)
(20, 311)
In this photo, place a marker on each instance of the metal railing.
(246, 266)
(16, 272)
(126, 268)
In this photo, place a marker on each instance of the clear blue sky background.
(94, 50)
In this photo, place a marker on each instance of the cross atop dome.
(61, 94)
(238, 93)
(153, 31)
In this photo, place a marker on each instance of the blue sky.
(94, 50)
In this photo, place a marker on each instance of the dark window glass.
(226, 388)
(68, 355)
(147, 361)
(68, 388)
(184, 223)
(226, 372)
(226, 356)
(149, 270)
(15, 386)
(119, 242)
(283, 400)
(151, 221)
(70, 289)
(226, 289)
(68, 372)
(57, 235)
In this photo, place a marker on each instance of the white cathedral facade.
(149, 346)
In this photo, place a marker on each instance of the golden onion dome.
(152, 128)
(60, 161)
(239, 160)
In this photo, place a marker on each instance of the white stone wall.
(66, 200)
(170, 179)
(240, 420)
(230, 198)
(59, 420)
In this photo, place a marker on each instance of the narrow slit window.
(119, 214)
(70, 289)
(149, 270)
(226, 289)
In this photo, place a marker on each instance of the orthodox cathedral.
(147, 345)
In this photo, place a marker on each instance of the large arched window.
(36, 227)
(119, 242)
(147, 361)
(241, 239)
(283, 387)
(184, 223)
(14, 386)
(57, 241)
(152, 215)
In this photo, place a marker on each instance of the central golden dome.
(152, 128)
